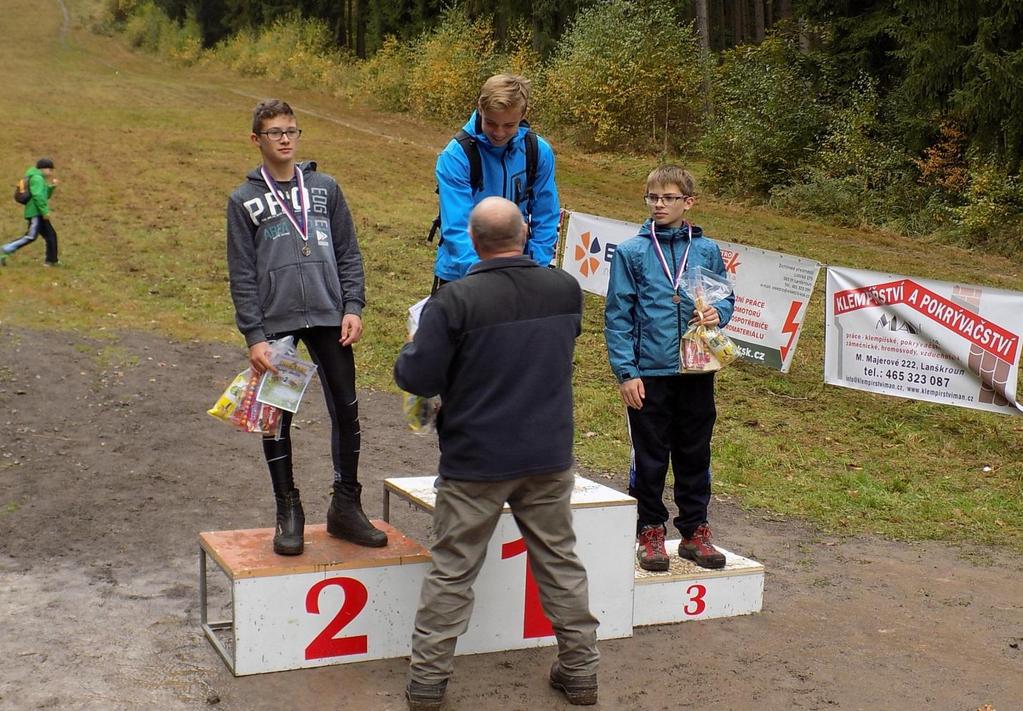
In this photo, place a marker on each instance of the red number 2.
(695, 593)
(355, 599)
(534, 621)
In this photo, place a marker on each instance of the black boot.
(290, 524)
(346, 520)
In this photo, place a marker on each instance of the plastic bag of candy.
(705, 349)
(238, 405)
(420, 412)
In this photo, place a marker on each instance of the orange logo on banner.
(589, 246)
(731, 260)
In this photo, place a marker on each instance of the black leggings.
(335, 365)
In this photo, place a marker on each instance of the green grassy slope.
(147, 153)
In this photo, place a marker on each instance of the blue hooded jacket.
(504, 175)
(642, 326)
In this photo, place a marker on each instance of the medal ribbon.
(664, 262)
(303, 229)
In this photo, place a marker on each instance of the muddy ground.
(109, 468)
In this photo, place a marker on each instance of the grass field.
(147, 153)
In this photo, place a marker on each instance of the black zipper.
(678, 306)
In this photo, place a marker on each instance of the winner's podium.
(507, 612)
(339, 603)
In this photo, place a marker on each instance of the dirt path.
(109, 468)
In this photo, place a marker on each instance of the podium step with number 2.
(335, 603)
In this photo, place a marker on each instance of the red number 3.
(695, 605)
(355, 599)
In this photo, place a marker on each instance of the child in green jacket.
(37, 213)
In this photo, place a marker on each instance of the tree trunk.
(703, 25)
(737, 24)
(703, 29)
(758, 21)
(341, 26)
(351, 23)
(769, 16)
(361, 11)
(718, 25)
(785, 9)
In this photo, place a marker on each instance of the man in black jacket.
(497, 347)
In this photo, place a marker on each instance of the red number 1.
(355, 599)
(534, 621)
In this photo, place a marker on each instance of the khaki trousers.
(464, 519)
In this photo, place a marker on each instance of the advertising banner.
(927, 340)
(771, 289)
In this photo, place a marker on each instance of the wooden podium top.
(680, 569)
(585, 494)
(249, 553)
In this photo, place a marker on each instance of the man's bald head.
(497, 228)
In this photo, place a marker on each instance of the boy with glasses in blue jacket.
(671, 414)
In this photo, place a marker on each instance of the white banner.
(935, 341)
(771, 289)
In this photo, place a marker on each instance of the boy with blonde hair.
(671, 414)
(495, 154)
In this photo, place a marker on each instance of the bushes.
(857, 174)
(294, 49)
(383, 78)
(768, 116)
(147, 27)
(993, 213)
(623, 72)
(449, 66)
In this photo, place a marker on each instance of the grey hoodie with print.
(275, 288)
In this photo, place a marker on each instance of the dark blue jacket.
(642, 326)
(497, 346)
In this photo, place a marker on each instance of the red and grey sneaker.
(698, 549)
(650, 550)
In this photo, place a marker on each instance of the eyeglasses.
(668, 200)
(276, 134)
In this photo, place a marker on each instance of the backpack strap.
(532, 161)
(472, 152)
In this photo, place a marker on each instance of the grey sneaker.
(425, 697)
(580, 690)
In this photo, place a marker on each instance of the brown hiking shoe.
(650, 550)
(580, 690)
(698, 549)
(425, 697)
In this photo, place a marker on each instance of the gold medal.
(676, 299)
(306, 251)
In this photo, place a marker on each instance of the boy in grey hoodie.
(296, 269)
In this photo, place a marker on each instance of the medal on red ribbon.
(677, 279)
(285, 204)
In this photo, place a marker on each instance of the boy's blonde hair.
(504, 91)
(672, 175)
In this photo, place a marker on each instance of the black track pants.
(676, 421)
(335, 365)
